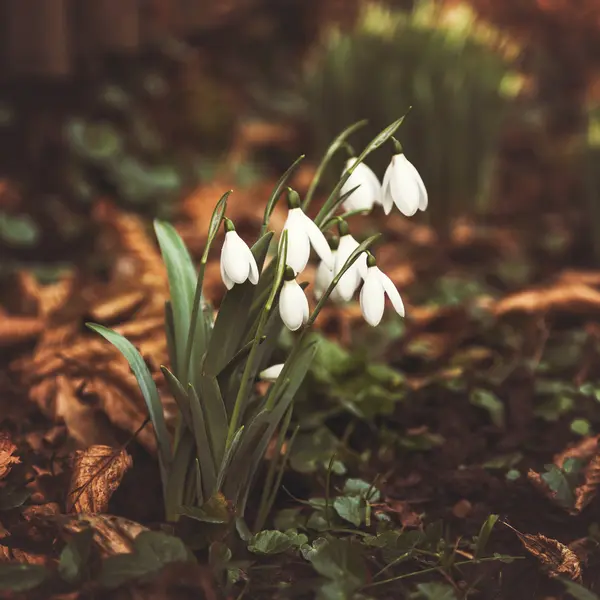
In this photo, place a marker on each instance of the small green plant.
(208, 465)
(460, 88)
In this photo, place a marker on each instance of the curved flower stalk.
(403, 186)
(302, 234)
(237, 261)
(372, 295)
(293, 305)
(368, 192)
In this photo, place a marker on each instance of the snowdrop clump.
(344, 266)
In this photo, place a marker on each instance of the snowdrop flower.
(350, 280)
(403, 186)
(368, 192)
(293, 305)
(372, 295)
(237, 261)
(324, 276)
(271, 373)
(302, 233)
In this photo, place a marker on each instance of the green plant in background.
(223, 428)
(592, 178)
(459, 85)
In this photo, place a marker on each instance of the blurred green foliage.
(453, 73)
(592, 178)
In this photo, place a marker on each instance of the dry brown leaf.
(120, 307)
(556, 557)
(7, 450)
(97, 473)
(15, 329)
(583, 450)
(587, 491)
(575, 298)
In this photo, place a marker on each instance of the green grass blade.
(214, 414)
(148, 388)
(179, 394)
(182, 284)
(204, 448)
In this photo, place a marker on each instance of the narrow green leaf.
(276, 193)
(198, 330)
(230, 324)
(484, 535)
(204, 448)
(17, 577)
(178, 475)
(198, 514)
(337, 143)
(179, 394)
(577, 591)
(182, 284)
(148, 388)
(215, 414)
(227, 458)
(170, 334)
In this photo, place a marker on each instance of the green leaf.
(215, 415)
(337, 143)
(121, 568)
(182, 285)
(160, 548)
(434, 591)
(489, 402)
(364, 489)
(179, 394)
(21, 577)
(484, 535)
(555, 478)
(204, 445)
(13, 498)
(339, 560)
(350, 508)
(276, 193)
(75, 556)
(578, 591)
(148, 388)
(230, 325)
(271, 542)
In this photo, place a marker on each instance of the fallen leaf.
(16, 329)
(583, 450)
(7, 460)
(97, 473)
(587, 491)
(556, 557)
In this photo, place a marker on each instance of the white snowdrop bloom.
(403, 186)
(350, 280)
(302, 234)
(271, 373)
(237, 261)
(293, 305)
(368, 192)
(323, 278)
(372, 295)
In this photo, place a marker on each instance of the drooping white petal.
(317, 239)
(298, 248)
(403, 186)
(423, 197)
(271, 373)
(235, 258)
(226, 280)
(254, 274)
(386, 193)
(293, 305)
(323, 278)
(372, 299)
(392, 292)
(368, 191)
(350, 280)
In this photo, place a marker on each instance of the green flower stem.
(240, 400)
